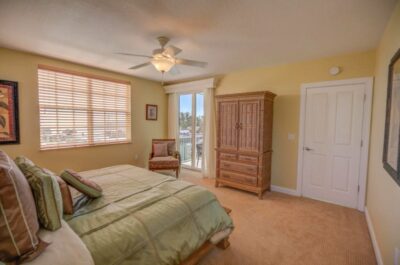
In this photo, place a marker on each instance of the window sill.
(84, 146)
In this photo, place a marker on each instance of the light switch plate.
(397, 256)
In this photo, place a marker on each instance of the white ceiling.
(228, 34)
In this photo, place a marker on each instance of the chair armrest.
(177, 155)
(151, 156)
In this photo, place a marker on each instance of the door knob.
(308, 149)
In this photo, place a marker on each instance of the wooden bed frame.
(207, 247)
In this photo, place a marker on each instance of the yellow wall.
(285, 81)
(22, 67)
(383, 195)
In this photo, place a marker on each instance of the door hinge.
(358, 188)
(362, 143)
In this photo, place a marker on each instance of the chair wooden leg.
(177, 173)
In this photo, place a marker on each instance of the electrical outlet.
(397, 256)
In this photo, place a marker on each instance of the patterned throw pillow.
(47, 194)
(18, 218)
(160, 150)
(84, 185)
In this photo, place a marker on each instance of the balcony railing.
(185, 148)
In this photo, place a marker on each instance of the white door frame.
(362, 179)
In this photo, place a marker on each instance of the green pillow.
(47, 194)
(84, 185)
(23, 163)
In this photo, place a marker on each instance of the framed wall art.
(151, 112)
(9, 120)
(391, 150)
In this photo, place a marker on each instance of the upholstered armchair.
(164, 156)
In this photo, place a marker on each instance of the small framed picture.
(9, 121)
(151, 112)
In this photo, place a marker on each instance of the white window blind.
(81, 110)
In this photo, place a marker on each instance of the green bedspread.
(145, 217)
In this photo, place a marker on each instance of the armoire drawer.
(228, 156)
(239, 167)
(234, 177)
(246, 158)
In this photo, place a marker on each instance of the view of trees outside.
(186, 132)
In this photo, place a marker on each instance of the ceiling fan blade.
(133, 54)
(139, 66)
(172, 50)
(191, 62)
(174, 70)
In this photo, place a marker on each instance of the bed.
(147, 218)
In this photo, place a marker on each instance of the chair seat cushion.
(164, 162)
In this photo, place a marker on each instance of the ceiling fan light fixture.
(163, 64)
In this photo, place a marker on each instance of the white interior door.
(332, 143)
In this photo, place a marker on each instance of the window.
(81, 110)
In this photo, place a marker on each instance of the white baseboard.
(373, 238)
(284, 190)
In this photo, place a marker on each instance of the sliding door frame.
(193, 93)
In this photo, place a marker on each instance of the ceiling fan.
(164, 59)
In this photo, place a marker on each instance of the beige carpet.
(281, 229)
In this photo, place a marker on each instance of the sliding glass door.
(191, 125)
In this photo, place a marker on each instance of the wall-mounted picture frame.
(391, 148)
(151, 112)
(9, 120)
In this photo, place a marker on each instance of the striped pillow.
(47, 194)
(68, 204)
(23, 163)
(18, 218)
(84, 185)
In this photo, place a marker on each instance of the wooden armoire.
(244, 141)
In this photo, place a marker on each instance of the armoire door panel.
(267, 126)
(228, 122)
(249, 119)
